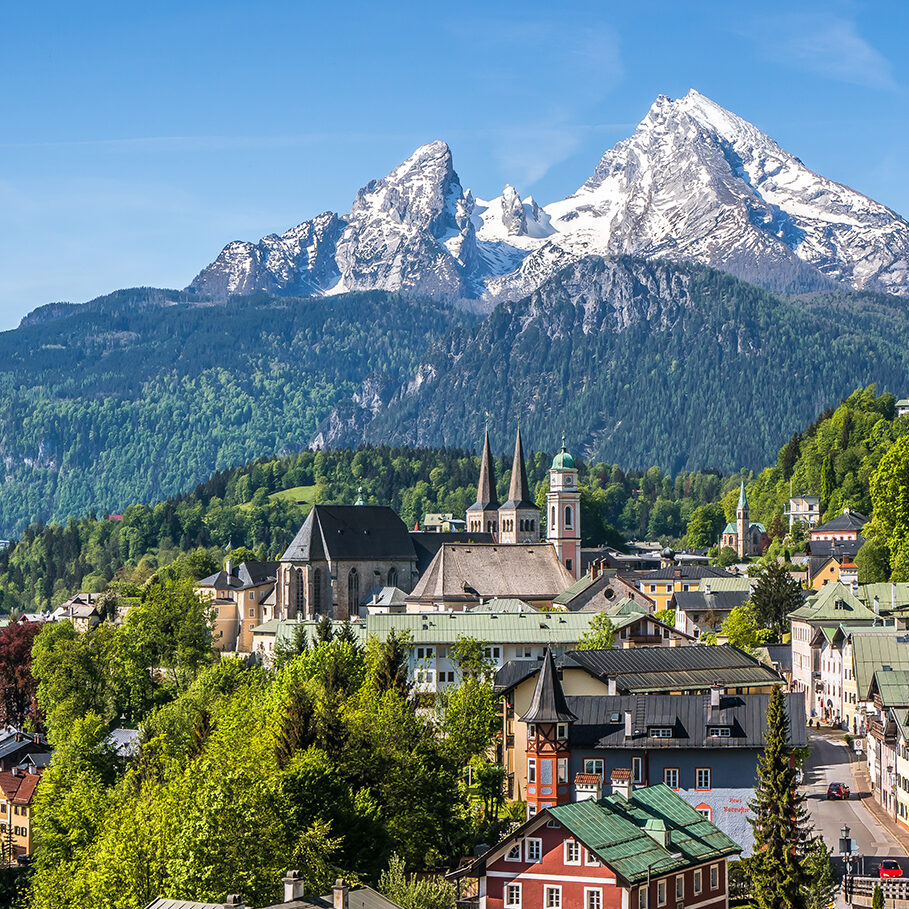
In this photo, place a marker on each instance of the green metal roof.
(893, 687)
(871, 652)
(890, 596)
(719, 584)
(503, 604)
(834, 603)
(614, 828)
(579, 586)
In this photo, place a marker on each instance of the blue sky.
(137, 139)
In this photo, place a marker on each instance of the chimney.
(228, 566)
(621, 782)
(293, 886)
(36, 738)
(876, 605)
(339, 894)
(610, 687)
(234, 901)
(706, 588)
(19, 736)
(629, 730)
(716, 692)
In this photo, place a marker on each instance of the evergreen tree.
(877, 899)
(780, 820)
(775, 595)
(820, 882)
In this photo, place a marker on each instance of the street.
(829, 763)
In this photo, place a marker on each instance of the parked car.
(837, 791)
(890, 868)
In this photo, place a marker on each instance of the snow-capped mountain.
(694, 182)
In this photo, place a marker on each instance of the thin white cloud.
(826, 45)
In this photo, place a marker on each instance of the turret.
(548, 722)
(742, 523)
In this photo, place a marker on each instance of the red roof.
(586, 779)
(620, 774)
(19, 787)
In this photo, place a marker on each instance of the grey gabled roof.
(548, 702)
(683, 572)
(246, 574)
(426, 544)
(848, 520)
(718, 601)
(351, 533)
(357, 898)
(600, 720)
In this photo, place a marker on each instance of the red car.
(837, 791)
(890, 868)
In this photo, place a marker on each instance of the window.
(714, 877)
(533, 848)
(252, 612)
(653, 588)
(562, 776)
(572, 852)
(552, 516)
(697, 882)
(392, 577)
(353, 590)
(679, 888)
(562, 730)
(594, 765)
(553, 824)
(719, 732)
(702, 778)
(531, 730)
(568, 564)
(643, 898)
(531, 770)
(546, 773)
(531, 810)
(705, 811)
(671, 777)
(513, 896)
(592, 860)
(300, 590)
(492, 653)
(426, 653)
(513, 854)
(661, 732)
(593, 898)
(661, 893)
(568, 516)
(552, 898)
(637, 770)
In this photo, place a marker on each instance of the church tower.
(519, 517)
(742, 523)
(483, 515)
(548, 721)
(563, 510)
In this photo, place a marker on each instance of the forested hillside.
(260, 507)
(652, 363)
(143, 394)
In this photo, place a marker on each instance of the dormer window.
(719, 732)
(661, 732)
(562, 730)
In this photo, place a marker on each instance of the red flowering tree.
(18, 687)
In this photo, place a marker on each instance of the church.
(344, 553)
(745, 537)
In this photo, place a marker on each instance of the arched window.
(300, 595)
(317, 590)
(552, 517)
(532, 522)
(568, 516)
(392, 576)
(353, 591)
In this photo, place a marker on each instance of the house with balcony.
(803, 509)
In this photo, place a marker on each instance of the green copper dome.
(563, 460)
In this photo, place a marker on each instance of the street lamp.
(846, 852)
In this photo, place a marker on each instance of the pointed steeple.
(548, 704)
(486, 488)
(518, 491)
(743, 502)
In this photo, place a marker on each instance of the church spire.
(518, 491)
(743, 502)
(486, 488)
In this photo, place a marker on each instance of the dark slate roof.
(427, 544)
(641, 669)
(600, 720)
(486, 488)
(781, 654)
(519, 490)
(14, 742)
(848, 520)
(357, 898)
(684, 572)
(674, 668)
(351, 533)
(548, 702)
(716, 601)
(824, 549)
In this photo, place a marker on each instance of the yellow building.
(17, 790)
(663, 583)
